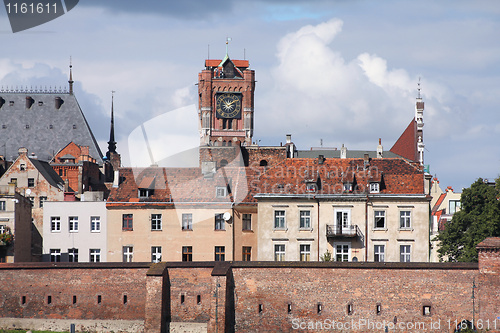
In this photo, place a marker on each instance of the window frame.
(305, 221)
(127, 222)
(375, 217)
(55, 255)
(343, 211)
(219, 222)
(73, 255)
(404, 256)
(246, 222)
(94, 255)
(379, 253)
(95, 224)
(187, 253)
(41, 201)
(220, 253)
(374, 187)
(336, 254)
(128, 253)
(406, 219)
(246, 253)
(73, 223)
(279, 220)
(155, 254)
(187, 221)
(156, 222)
(220, 191)
(305, 252)
(3, 205)
(279, 252)
(55, 224)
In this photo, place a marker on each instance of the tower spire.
(112, 142)
(70, 77)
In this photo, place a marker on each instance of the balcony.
(350, 231)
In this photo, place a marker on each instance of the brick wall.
(71, 291)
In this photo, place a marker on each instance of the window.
(405, 219)
(220, 253)
(305, 219)
(347, 187)
(453, 206)
(3, 229)
(279, 219)
(73, 223)
(41, 201)
(342, 251)
(127, 220)
(95, 223)
(311, 187)
(155, 221)
(155, 253)
(379, 253)
(379, 219)
(187, 253)
(405, 253)
(95, 255)
(343, 219)
(2, 205)
(247, 253)
(426, 310)
(219, 222)
(374, 187)
(247, 222)
(13, 181)
(32, 200)
(305, 252)
(145, 193)
(279, 252)
(187, 221)
(128, 253)
(73, 255)
(55, 255)
(55, 224)
(220, 191)
(31, 182)
(22, 167)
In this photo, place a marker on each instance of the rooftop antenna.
(208, 51)
(244, 54)
(418, 87)
(228, 39)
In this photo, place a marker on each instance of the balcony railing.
(350, 231)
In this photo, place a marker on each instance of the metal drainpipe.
(234, 225)
(366, 228)
(317, 200)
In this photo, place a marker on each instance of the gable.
(406, 145)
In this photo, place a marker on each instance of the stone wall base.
(99, 326)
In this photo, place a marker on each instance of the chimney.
(366, 161)
(69, 196)
(116, 179)
(288, 138)
(84, 150)
(343, 152)
(22, 151)
(380, 149)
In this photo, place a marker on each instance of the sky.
(328, 72)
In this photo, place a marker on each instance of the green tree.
(478, 218)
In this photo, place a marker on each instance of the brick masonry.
(261, 296)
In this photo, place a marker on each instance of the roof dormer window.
(348, 187)
(374, 187)
(145, 192)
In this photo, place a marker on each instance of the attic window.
(220, 192)
(22, 166)
(311, 187)
(40, 103)
(27, 126)
(11, 103)
(374, 187)
(29, 102)
(4, 126)
(347, 187)
(51, 126)
(74, 126)
(145, 192)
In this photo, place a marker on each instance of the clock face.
(228, 105)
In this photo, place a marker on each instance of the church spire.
(70, 77)
(111, 142)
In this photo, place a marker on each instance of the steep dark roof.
(406, 145)
(42, 128)
(48, 173)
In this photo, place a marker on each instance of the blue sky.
(344, 72)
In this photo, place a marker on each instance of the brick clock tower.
(226, 102)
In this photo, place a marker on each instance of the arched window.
(263, 163)
(230, 143)
(223, 163)
(224, 143)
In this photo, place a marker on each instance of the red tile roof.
(406, 145)
(438, 203)
(215, 62)
(489, 243)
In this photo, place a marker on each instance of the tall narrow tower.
(419, 118)
(226, 102)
